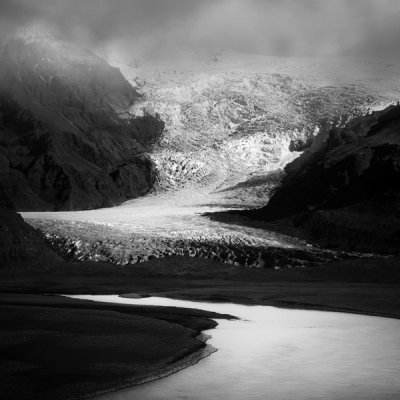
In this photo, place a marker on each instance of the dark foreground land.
(368, 285)
(58, 348)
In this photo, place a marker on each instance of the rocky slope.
(65, 139)
(345, 190)
(20, 244)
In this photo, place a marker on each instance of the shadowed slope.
(20, 244)
(346, 190)
(64, 140)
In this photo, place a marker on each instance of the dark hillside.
(66, 139)
(345, 192)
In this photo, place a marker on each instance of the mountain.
(66, 141)
(345, 190)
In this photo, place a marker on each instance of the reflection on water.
(280, 354)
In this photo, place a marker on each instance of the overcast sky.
(284, 27)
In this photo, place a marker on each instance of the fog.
(276, 27)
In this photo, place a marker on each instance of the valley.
(210, 144)
(199, 199)
(231, 126)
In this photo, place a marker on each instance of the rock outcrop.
(345, 190)
(66, 142)
(20, 244)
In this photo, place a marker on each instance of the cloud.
(284, 27)
(294, 27)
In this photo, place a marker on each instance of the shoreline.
(292, 306)
(326, 308)
(193, 358)
(104, 347)
(367, 287)
(176, 366)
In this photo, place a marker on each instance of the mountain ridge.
(63, 126)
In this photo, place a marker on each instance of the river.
(281, 354)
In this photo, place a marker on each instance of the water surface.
(279, 354)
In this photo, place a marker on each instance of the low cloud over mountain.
(284, 27)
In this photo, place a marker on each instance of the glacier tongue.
(230, 123)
